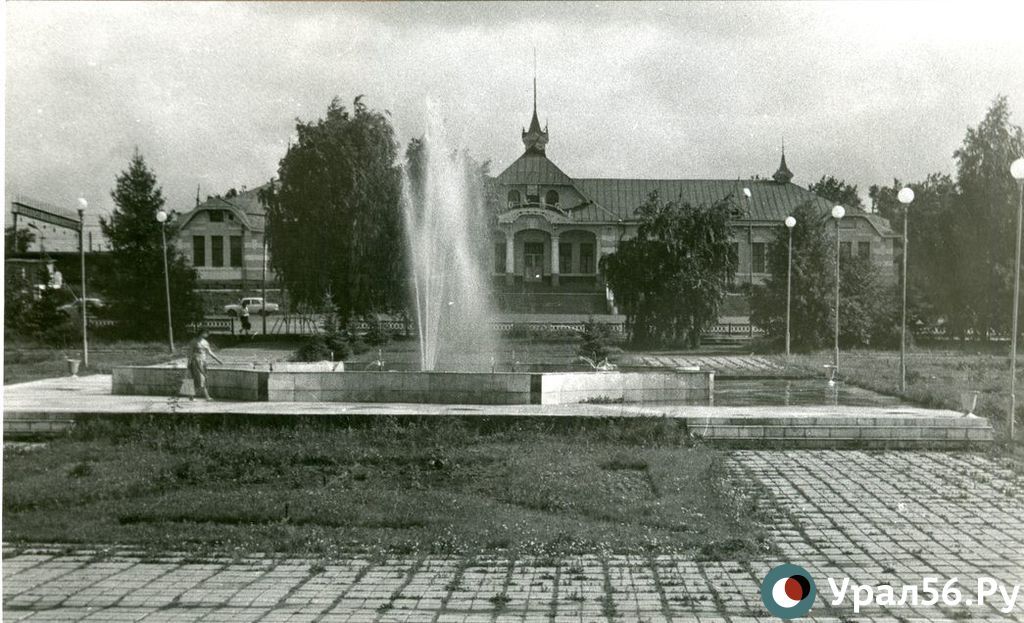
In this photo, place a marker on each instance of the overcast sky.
(209, 92)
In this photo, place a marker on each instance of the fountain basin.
(548, 388)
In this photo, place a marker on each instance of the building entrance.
(533, 261)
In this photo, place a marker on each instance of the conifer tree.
(136, 281)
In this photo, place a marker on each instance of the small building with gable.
(222, 238)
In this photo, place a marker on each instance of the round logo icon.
(788, 591)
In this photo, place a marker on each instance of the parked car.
(254, 304)
(92, 305)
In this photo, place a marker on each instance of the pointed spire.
(783, 175)
(535, 81)
(535, 139)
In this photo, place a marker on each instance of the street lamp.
(750, 258)
(838, 212)
(906, 195)
(82, 205)
(790, 224)
(1017, 171)
(161, 217)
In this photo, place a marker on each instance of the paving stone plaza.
(874, 517)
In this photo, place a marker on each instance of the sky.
(210, 92)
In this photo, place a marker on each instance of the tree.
(334, 215)
(837, 191)
(813, 282)
(985, 220)
(136, 281)
(17, 241)
(866, 299)
(671, 279)
(932, 238)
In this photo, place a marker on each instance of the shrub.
(594, 344)
(377, 334)
(315, 349)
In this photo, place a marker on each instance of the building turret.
(535, 139)
(783, 175)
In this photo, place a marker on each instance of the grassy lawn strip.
(935, 378)
(432, 487)
(26, 360)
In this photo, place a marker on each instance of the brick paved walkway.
(876, 518)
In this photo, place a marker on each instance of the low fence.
(296, 325)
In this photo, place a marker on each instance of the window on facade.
(236, 251)
(586, 258)
(514, 198)
(216, 251)
(845, 250)
(216, 216)
(565, 257)
(500, 266)
(757, 250)
(551, 197)
(199, 250)
(532, 193)
(864, 250)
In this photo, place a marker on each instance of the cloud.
(210, 92)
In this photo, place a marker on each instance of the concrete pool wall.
(315, 383)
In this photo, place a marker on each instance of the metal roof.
(534, 168)
(769, 201)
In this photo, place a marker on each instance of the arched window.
(551, 198)
(514, 197)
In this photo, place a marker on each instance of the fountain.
(445, 219)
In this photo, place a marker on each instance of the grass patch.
(26, 360)
(935, 378)
(432, 486)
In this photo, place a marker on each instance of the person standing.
(246, 325)
(198, 351)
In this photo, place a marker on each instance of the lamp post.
(906, 195)
(750, 260)
(1017, 171)
(790, 224)
(263, 311)
(161, 217)
(838, 212)
(82, 205)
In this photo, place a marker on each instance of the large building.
(553, 229)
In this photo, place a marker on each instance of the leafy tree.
(813, 282)
(333, 217)
(866, 299)
(17, 241)
(932, 236)
(671, 279)
(837, 191)
(136, 281)
(985, 220)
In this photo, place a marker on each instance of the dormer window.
(551, 198)
(514, 198)
(532, 194)
(216, 216)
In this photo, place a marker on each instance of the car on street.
(254, 304)
(92, 305)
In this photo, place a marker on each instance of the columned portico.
(554, 259)
(510, 257)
